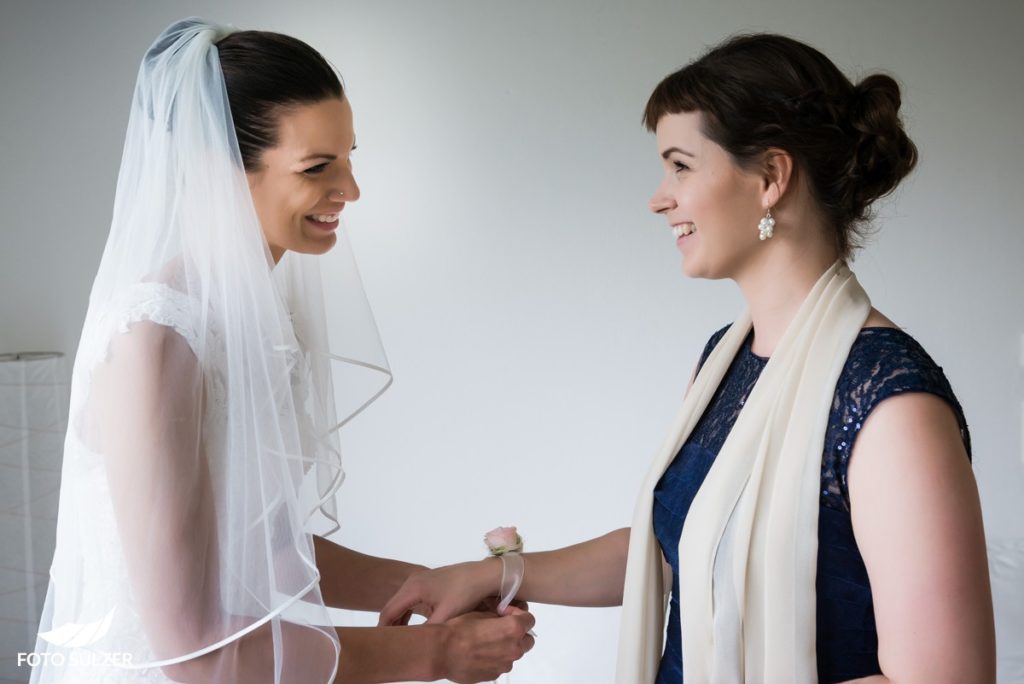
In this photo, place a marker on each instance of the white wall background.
(534, 312)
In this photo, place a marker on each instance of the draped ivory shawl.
(748, 550)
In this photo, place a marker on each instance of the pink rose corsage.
(506, 544)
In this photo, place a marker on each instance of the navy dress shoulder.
(882, 363)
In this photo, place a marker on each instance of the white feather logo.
(73, 635)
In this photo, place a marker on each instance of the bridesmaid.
(813, 514)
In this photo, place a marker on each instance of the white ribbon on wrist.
(506, 544)
(513, 568)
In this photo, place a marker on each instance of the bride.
(202, 440)
(812, 515)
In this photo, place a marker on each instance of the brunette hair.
(761, 91)
(264, 74)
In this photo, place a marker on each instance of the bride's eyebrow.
(325, 155)
(332, 157)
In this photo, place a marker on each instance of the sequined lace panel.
(883, 362)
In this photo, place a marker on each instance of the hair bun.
(883, 154)
(877, 89)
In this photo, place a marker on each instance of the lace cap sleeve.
(155, 302)
(883, 363)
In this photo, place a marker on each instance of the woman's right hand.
(481, 646)
(444, 593)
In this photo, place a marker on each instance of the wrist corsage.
(506, 544)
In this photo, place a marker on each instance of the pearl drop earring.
(766, 227)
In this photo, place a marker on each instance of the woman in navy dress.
(772, 159)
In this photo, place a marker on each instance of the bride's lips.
(323, 225)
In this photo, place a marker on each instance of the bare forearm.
(391, 654)
(591, 573)
(588, 574)
(368, 655)
(356, 581)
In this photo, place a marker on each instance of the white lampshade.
(33, 419)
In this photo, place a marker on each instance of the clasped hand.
(481, 644)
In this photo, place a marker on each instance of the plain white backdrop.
(534, 312)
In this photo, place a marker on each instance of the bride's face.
(297, 186)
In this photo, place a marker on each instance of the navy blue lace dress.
(883, 362)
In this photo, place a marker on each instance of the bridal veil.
(202, 447)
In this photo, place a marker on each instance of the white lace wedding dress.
(88, 539)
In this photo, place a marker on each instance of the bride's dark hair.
(760, 91)
(264, 74)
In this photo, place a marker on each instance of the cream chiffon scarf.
(748, 551)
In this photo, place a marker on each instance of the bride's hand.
(443, 593)
(481, 647)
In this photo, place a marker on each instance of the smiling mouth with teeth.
(681, 229)
(323, 218)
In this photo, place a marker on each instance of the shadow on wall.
(1006, 568)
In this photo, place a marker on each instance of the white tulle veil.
(202, 446)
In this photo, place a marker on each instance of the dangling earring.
(766, 227)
